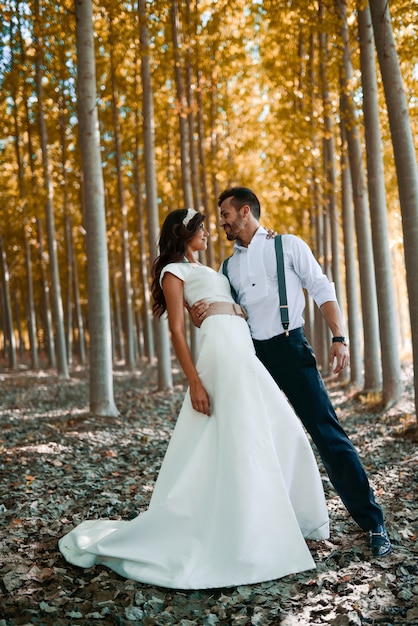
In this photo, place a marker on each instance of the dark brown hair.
(172, 245)
(241, 196)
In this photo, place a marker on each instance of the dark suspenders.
(284, 309)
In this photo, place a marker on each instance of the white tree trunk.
(61, 352)
(372, 370)
(101, 380)
(405, 157)
(391, 368)
(162, 340)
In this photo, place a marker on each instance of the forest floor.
(59, 465)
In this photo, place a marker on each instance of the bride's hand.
(200, 398)
(271, 233)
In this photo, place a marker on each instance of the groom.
(287, 354)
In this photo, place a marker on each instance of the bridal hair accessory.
(189, 215)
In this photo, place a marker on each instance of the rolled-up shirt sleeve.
(310, 273)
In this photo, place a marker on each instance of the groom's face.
(231, 219)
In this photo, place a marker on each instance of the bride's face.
(199, 241)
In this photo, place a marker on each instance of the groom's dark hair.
(241, 196)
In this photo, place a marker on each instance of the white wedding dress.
(237, 491)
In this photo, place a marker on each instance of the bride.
(239, 489)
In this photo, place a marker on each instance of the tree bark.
(9, 333)
(391, 368)
(101, 381)
(185, 138)
(351, 273)
(49, 340)
(405, 157)
(145, 313)
(126, 261)
(30, 304)
(372, 369)
(162, 340)
(49, 214)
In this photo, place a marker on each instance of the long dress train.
(237, 492)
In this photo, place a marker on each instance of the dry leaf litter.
(59, 465)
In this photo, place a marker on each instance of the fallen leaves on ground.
(59, 465)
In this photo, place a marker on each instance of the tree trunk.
(351, 274)
(70, 265)
(214, 160)
(391, 368)
(67, 228)
(9, 334)
(119, 346)
(146, 325)
(203, 169)
(30, 305)
(165, 379)
(81, 344)
(101, 381)
(330, 217)
(49, 340)
(185, 138)
(16, 303)
(49, 214)
(372, 369)
(330, 170)
(405, 158)
(126, 261)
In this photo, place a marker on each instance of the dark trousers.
(291, 362)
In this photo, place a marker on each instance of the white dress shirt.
(252, 272)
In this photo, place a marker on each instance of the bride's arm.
(174, 298)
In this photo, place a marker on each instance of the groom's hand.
(198, 312)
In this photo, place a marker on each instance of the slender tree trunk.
(191, 105)
(165, 379)
(49, 339)
(391, 368)
(330, 170)
(16, 305)
(146, 326)
(372, 369)
(27, 116)
(213, 161)
(15, 111)
(330, 238)
(30, 305)
(405, 157)
(9, 332)
(101, 380)
(185, 138)
(67, 227)
(3, 322)
(126, 261)
(203, 176)
(351, 274)
(77, 304)
(70, 265)
(117, 319)
(49, 214)
(310, 105)
(20, 169)
(320, 330)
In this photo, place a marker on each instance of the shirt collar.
(260, 231)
